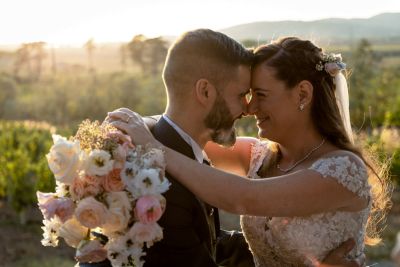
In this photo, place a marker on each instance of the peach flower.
(91, 213)
(113, 182)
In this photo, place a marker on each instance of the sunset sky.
(75, 21)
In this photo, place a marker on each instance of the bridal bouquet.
(108, 195)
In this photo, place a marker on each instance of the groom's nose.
(251, 107)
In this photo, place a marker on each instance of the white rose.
(117, 250)
(64, 159)
(147, 181)
(118, 212)
(154, 158)
(73, 232)
(99, 163)
(128, 175)
(50, 232)
(91, 213)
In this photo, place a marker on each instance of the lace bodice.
(304, 241)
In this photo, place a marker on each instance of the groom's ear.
(205, 92)
(305, 92)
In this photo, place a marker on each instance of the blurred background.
(64, 61)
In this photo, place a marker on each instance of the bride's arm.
(235, 159)
(297, 194)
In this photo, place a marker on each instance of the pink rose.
(148, 209)
(332, 68)
(112, 182)
(91, 179)
(90, 251)
(91, 213)
(93, 185)
(77, 189)
(47, 204)
(65, 209)
(53, 206)
(92, 189)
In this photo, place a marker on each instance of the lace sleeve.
(259, 151)
(346, 171)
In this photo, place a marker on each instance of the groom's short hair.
(203, 53)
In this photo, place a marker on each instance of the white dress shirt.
(198, 152)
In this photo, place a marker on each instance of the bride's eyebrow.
(255, 90)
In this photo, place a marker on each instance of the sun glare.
(74, 21)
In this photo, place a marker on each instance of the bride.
(310, 187)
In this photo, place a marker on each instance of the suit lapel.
(167, 135)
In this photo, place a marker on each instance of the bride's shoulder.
(341, 156)
(342, 165)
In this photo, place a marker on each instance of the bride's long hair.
(295, 60)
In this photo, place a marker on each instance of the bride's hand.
(132, 124)
(338, 257)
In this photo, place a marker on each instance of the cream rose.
(73, 232)
(64, 159)
(148, 233)
(119, 212)
(91, 213)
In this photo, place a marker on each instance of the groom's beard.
(221, 122)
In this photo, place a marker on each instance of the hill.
(383, 28)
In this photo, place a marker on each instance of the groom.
(207, 77)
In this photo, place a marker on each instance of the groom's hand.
(151, 121)
(119, 114)
(338, 257)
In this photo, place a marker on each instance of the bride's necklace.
(301, 160)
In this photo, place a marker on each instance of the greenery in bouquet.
(108, 195)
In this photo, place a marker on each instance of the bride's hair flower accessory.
(331, 63)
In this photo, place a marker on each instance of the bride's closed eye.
(260, 93)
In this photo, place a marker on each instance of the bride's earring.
(301, 107)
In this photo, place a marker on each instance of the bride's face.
(274, 105)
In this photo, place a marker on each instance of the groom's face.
(229, 106)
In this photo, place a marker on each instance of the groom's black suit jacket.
(192, 236)
(190, 226)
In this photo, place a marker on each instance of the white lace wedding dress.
(304, 241)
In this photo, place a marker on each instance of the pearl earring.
(301, 106)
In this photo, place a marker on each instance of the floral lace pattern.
(305, 241)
